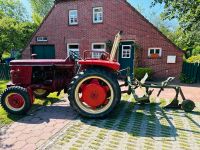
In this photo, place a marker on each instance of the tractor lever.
(161, 89)
(164, 84)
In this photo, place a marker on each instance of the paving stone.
(10, 141)
(15, 134)
(29, 147)
(45, 136)
(20, 128)
(38, 144)
(48, 129)
(19, 145)
(27, 130)
(23, 137)
(32, 140)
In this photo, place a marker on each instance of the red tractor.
(91, 83)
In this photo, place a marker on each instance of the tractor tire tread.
(85, 73)
(25, 95)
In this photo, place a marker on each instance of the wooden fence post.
(192, 71)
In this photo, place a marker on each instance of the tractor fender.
(115, 66)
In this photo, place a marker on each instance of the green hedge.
(140, 72)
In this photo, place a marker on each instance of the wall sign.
(171, 59)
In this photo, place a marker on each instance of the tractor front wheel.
(16, 100)
(94, 93)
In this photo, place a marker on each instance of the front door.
(126, 56)
(44, 51)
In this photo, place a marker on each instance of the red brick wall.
(118, 15)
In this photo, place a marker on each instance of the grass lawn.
(6, 119)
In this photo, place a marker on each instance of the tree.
(187, 11)
(15, 28)
(13, 9)
(41, 8)
(188, 14)
(14, 34)
(37, 19)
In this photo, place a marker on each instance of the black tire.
(20, 91)
(188, 105)
(41, 96)
(106, 75)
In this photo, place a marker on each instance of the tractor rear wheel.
(94, 93)
(16, 100)
(41, 93)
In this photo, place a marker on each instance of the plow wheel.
(94, 93)
(16, 100)
(40, 93)
(188, 105)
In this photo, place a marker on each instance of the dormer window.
(73, 17)
(97, 15)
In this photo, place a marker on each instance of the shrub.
(196, 51)
(184, 79)
(194, 59)
(140, 72)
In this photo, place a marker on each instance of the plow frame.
(133, 84)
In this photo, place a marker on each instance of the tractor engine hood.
(42, 62)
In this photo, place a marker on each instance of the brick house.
(78, 25)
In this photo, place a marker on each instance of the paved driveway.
(131, 126)
(36, 128)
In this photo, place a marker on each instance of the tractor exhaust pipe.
(115, 45)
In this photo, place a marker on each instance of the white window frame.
(171, 59)
(155, 48)
(75, 50)
(123, 51)
(73, 17)
(99, 13)
(42, 39)
(103, 50)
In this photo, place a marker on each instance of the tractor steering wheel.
(75, 56)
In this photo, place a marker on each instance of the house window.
(73, 48)
(73, 17)
(97, 48)
(41, 39)
(98, 15)
(154, 53)
(126, 51)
